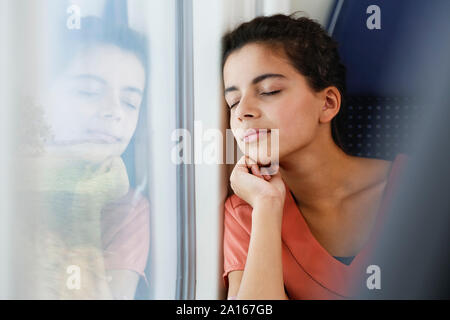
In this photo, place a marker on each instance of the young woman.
(303, 232)
(90, 217)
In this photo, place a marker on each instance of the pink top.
(309, 271)
(125, 233)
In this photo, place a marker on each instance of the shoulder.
(370, 174)
(389, 166)
(379, 179)
(130, 211)
(396, 172)
(401, 160)
(390, 170)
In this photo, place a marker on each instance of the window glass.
(84, 176)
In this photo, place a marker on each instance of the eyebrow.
(90, 77)
(103, 81)
(133, 89)
(256, 80)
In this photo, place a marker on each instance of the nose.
(112, 108)
(247, 109)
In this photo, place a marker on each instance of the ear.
(331, 104)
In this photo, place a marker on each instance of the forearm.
(263, 274)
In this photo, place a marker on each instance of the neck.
(318, 174)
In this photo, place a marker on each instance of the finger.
(267, 177)
(241, 165)
(242, 160)
(250, 161)
(255, 171)
(272, 170)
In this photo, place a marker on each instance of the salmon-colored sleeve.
(126, 234)
(236, 237)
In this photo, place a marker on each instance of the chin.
(262, 154)
(262, 158)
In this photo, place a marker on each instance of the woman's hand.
(262, 277)
(255, 184)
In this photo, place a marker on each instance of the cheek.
(80, 108)
(232, 121)
(297, 125)
(129, 124)
(65, 117)
(235, 128)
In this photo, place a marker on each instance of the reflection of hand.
(106, 181)
(65, 198)
(55, 278)
(251, 185)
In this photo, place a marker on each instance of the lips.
(102, 137)
(252, 135)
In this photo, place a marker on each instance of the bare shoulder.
(372, 173)
(369, 182)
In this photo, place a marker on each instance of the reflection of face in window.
(93, 106)
(85, 202)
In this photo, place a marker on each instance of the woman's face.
(264, 91)
(93, 107)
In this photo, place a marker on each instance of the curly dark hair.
(97, 31)
(306, 44)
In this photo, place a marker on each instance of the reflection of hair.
(95, 31)
(309, 48)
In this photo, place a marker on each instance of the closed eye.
(130, 105)
(271, 93)
(234, 104)
(88, 93)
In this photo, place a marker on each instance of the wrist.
(268, 212)
(272, 202)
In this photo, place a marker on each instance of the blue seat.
(387, 70)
